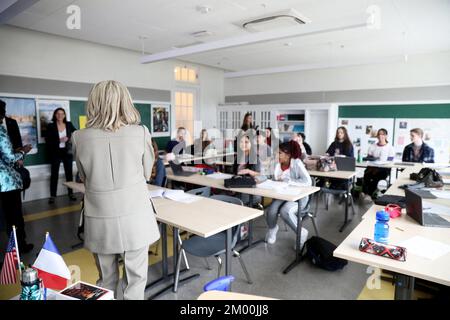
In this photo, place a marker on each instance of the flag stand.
(17, 251)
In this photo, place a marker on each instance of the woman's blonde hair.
(110, 107)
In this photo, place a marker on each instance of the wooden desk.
(204, 180)
(401, 229)
(227, 295)
(197, 218)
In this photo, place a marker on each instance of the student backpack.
(320, 252)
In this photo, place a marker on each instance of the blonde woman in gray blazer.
(114, 156)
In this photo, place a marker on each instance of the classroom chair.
(213, 246)
(219, 284)
(339, 192)
(203, 191)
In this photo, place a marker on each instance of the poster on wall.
(436, 135)
(363, 131)
(160, 120)
(45, 111)
(24, 112)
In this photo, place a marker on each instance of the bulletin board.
(363, 131)
(436, 135)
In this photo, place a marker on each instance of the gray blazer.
(115, 167)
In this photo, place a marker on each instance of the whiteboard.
(363, 131)
(436, 135)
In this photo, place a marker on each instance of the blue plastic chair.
(220, 284)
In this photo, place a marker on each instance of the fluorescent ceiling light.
(312, 66)
(304, 30)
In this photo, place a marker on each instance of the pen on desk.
(399, 229)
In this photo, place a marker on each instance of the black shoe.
(26, 248)
(51, 200)
(72, 197)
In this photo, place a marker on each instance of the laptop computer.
(177, 170)
(414, 210)
(345, 163)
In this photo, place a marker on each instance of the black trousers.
(61, 156)
(11, 204)
(372, 175)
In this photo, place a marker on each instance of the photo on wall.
(160, 120)
(24, 112)
(45, 111)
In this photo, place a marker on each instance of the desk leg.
(404, 287)
(298, 251)
(165, 265)
(346, 220)
(250, 231)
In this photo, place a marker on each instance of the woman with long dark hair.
(341, 144)
(289, 169)
(248, 122)
(59, 147)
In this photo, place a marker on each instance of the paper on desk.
(425, 248)
(180, 196)
(219, 176)
(288, 191)
(446, 181)
(443, 194)
(157, 193)
(435, 208)
(272, 185)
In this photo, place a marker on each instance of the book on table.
(85, 291)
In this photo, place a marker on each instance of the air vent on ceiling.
(283, 19)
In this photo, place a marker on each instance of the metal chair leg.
(177, 274)
(207, 264)
(313, 220)
(247, 275)
(183, 252)
(219, 260)
(352, 204)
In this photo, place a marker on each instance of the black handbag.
(25, 175)
(430, 177)
(240, 182)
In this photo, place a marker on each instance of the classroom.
(225, 150)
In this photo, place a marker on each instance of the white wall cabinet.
(320, 120)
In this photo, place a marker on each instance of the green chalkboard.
(416, 111)
(77, 109)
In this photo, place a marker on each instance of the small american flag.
(9, 274)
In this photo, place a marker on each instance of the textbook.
(85, 291)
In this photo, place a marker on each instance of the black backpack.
(320, 252)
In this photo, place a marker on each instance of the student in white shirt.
(381, 151)
(289, 169)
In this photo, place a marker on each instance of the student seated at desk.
(299, 137)
(179, 143)
(381, 151)
(159, 170)
(247, 162)
(341, 145)
(201, 143)
(418, 151)
(289, 169)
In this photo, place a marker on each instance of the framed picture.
(45, 112)
(24, 112)
(160, 120)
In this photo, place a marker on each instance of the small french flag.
(51, 267)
